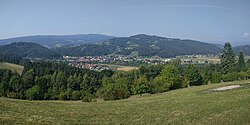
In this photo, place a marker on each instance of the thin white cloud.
(176, 5)
(246, 35)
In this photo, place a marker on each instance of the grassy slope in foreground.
(12, 67)
(194, 105)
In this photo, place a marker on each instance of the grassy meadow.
(194, 105)
(12, 67)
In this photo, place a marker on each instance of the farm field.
(212, 59)
(12, 67)
(120, 67)
(194, 105)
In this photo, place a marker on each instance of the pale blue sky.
(205, 20)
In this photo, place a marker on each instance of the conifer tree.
(241, 62)
(227, 58)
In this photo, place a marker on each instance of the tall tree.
(171, 76)
(227, 58)
(15, 83)
(241, 62)
(28, 79)
(193, 76)
(141, 85)
(61, 80)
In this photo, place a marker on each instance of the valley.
(126, 62)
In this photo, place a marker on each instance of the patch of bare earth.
(227, 87)
(127, 68)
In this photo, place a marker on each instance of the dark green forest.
(47, 80)
(144, 45)
(27, 49)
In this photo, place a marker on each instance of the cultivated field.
(12, 67)
(120, 67)
(195, 105)
(127, 68)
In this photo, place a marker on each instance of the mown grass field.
(194, 105)
(12, 67)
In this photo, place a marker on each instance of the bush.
(114, 90)
(64, 95)
(242, 75)
(231, 76)
(86, 96)
(76, 95)
(12, 95)
(1, 89)
(171, 77)
(157, 86)
(193, 76)
(33, 93)
(216, 77)
(86, 99)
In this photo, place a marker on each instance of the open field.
(120, 67)
(211, 59)
(12, 67)
(127, 68)
(194, 105)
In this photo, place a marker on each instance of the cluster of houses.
(94, 67)
(92, 62)
(116, 59)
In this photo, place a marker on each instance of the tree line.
(56, 80)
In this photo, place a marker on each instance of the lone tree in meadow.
(241, 62)
(227, 58)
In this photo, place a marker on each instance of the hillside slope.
(12, 67)
(6, 56)
(244, 48)
(52, 41)
(32, 50)
(194, 105)
(142, 45)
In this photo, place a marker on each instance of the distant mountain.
(27, 49)
(142, 45)
(239, 43)
(218, 45)
(233, 43)
(244, 48)
(52, 41)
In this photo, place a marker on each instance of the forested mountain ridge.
(6, 56)
(244, 48)
(52, 41)
(142, 45)
(26, 49)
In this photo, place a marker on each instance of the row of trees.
(57, 80)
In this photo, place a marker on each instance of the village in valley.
(99, 63)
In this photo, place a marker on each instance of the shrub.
(33, 93)
(64, 95)
(157, 86)
(86, 96)
(114, 90)
(231, 76)
(242, 75)
(216, 77)
(76, 95)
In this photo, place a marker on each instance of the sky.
(204, 20)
